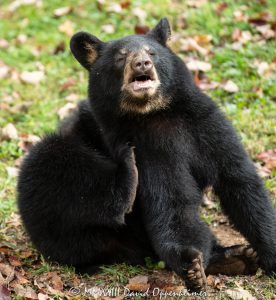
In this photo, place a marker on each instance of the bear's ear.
(85, 47)
(162, 31)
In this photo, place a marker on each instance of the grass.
(33, 109)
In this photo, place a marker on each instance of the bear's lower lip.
(140, 85)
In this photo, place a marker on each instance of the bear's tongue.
(141, 84)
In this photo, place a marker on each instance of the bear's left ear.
(85, 47)
(162, 31)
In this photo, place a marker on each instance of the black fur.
(76, 186)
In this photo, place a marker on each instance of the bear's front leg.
(178, 235)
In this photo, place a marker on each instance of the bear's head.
(135, 74)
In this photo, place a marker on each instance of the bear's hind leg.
(234, 260)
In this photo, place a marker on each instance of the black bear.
(123, 178)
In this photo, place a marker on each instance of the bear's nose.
(141, 64)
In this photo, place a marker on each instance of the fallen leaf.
(17, 3)
(57, 282)
(196, 3)
(239, 293)
(266, 31)
(26, 292)
(9, 132)
(125, 4)
(108, 28)
(26, 254)
(230, 87)
(114, 8)
(269, 158)
(67, 84)
(138, 283)
(196, 65)
(4, 44)
(7, 273)
(140, 14)
(221, 7)
(12, 172)
(4, 293)
(236, 34)
(62, 11)
(54, 292)
(4, 70)
(32, 77)
(67, 27)
(215, 282)
(66, 110)
(190, 44)
(240, 16)
(261, 19)
(14, 261)
(21, 39)
(60, 47)
(72, 97)
(141, 29)
(43, 297)
(26, 141)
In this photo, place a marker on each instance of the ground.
(230, 48)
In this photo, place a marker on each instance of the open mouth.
(142, 82)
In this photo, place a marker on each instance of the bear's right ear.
(85, 47)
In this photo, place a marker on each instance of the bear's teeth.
(141, 85)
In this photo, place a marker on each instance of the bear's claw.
(196, 278)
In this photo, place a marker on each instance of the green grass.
(252, 109)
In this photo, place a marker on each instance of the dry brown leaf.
(196, 65)
(60, 47)
(32, 77)
(43, 297)
(66, 110)
(239, 293)
(26, 141)
(54, 292)
(67, 84)
(72, 97)
(62, 11)
(4, 70)
(26, 292)
(7, 273)
(230, 86)
(26, 254)
(4, 44)
(261, 19)
(215, 282)
(190, 44)
(138, 283)
(4, 293)
(12, 172)
(236, 34)
(114, 8)
(20, 278)
(240, 16)
(196, 3)
(108, 28)
(269, 158)
(266, 31)
(141, 29)
(221, 7)
(9, 132)
(17, 3)
(140, 14)
(57, 282)
(14, 261)
(67, 27)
